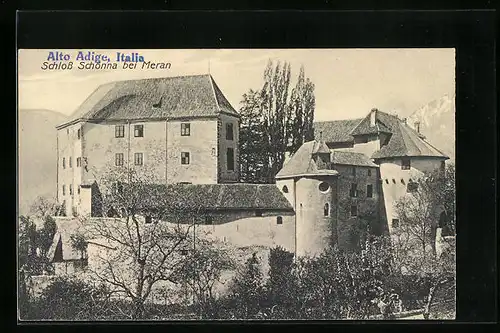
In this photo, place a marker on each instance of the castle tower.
(311, 187)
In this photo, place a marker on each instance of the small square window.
(185, 129)
(148, 219)
(229, 131)
(184, 252)
(279, 220)
(354, 210)
(405, 164)
(395, 223)
(138, 131)
(119, 131)
(119, 159)
(184, 158)
(138, 158)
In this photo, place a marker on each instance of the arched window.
(326, 209)
(279, 220)
(285, 189)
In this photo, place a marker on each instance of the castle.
(185, 133)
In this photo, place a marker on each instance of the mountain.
(37, 148)
(437, 123)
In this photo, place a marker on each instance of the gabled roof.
(335, 131)
(351, 158)
(157, 98)
(384, 122)
(302, 164)
(405, 141)
(216, 197)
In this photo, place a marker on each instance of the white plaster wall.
(202, 148)
(392, 174)
(290, 184)
(314, 230)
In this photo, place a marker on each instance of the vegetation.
(275, 120)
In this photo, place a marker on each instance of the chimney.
(373, 116)
(417, 126)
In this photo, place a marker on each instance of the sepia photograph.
(236, 184)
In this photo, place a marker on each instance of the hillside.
(37, 155)
(437, 123)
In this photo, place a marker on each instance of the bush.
(66, 299)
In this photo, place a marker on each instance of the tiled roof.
(302, 164)
(384, 123)
(405, 141)
(351, 158)
(174, 97)
(335, 131)
(214, 197)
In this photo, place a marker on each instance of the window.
(184, 157)
(284, 189)
(369, 191)
(78, 189)
(64, 162)
(78, 161)
(279, 220)
(354, 210)
(119, 131)
(213, 152)
(70, 189)
(79, 133)
(138, 158)
(354, 190)
(138, 131)
(387, 181)
(229, 131)
(354, 171)
(369, 172)
(395, 223)
(119, 159)
(185, 129)
(148, 219)
(209, 220)
(70, 162)
(258, 213)
(324, 187)
(230, 159)
(405, 164)
(64, 190)
(326, 209)
(184, 252)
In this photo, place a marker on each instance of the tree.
(42, 207)
(46, 235)
(421, 212)
(281, 283)
(275, 122)
(203, 271)
(141, 247)
(247, 289)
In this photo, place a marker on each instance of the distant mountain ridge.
(37, 159)
(437, 123)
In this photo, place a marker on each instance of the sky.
(348, 82)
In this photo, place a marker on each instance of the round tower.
(315, 214)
